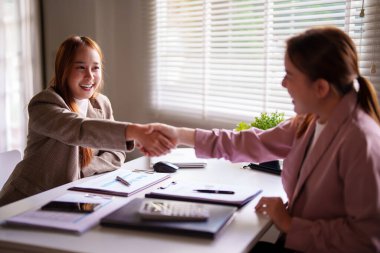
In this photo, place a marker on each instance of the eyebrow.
(82, 62)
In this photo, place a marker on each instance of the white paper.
(186, 191)
(107, 183)
(74, 222)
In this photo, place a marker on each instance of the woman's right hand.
(151, 143)
(170, 132)
(179, 135)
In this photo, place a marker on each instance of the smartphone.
(75, 207)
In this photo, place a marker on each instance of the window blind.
(222, 60)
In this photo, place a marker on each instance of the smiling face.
(301, 89)
(85, 74)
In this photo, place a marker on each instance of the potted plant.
(264, 121)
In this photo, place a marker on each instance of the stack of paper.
(182, 157)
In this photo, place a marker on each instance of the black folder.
(127, 217)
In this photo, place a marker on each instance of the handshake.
(157, 139)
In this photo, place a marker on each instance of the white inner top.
(83, 106)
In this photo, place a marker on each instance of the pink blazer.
(334, 193)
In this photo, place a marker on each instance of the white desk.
(239, 236)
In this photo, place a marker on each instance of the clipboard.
(185, 191)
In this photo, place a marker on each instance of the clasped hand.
(153, 139)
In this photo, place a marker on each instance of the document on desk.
(182, 157)
(66, 221)
(207, 193)
(113, 183)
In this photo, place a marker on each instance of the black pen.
(123, 181)
(215, 191)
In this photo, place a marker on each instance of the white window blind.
(222, 60)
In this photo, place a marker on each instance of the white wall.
(118, 27)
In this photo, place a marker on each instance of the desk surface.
(239, 236)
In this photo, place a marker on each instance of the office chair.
(8, 161)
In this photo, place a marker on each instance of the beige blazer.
(55, 133)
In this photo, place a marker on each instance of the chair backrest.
(8, 161)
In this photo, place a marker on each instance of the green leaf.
(242, 126)
(264, 121)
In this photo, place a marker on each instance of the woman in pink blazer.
(331, 150)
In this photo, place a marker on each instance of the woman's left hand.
(276, 209)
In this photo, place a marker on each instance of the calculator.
(161, 210)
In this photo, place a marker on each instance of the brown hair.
(329, 53)
(63, 65)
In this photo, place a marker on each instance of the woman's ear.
(322, 88)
